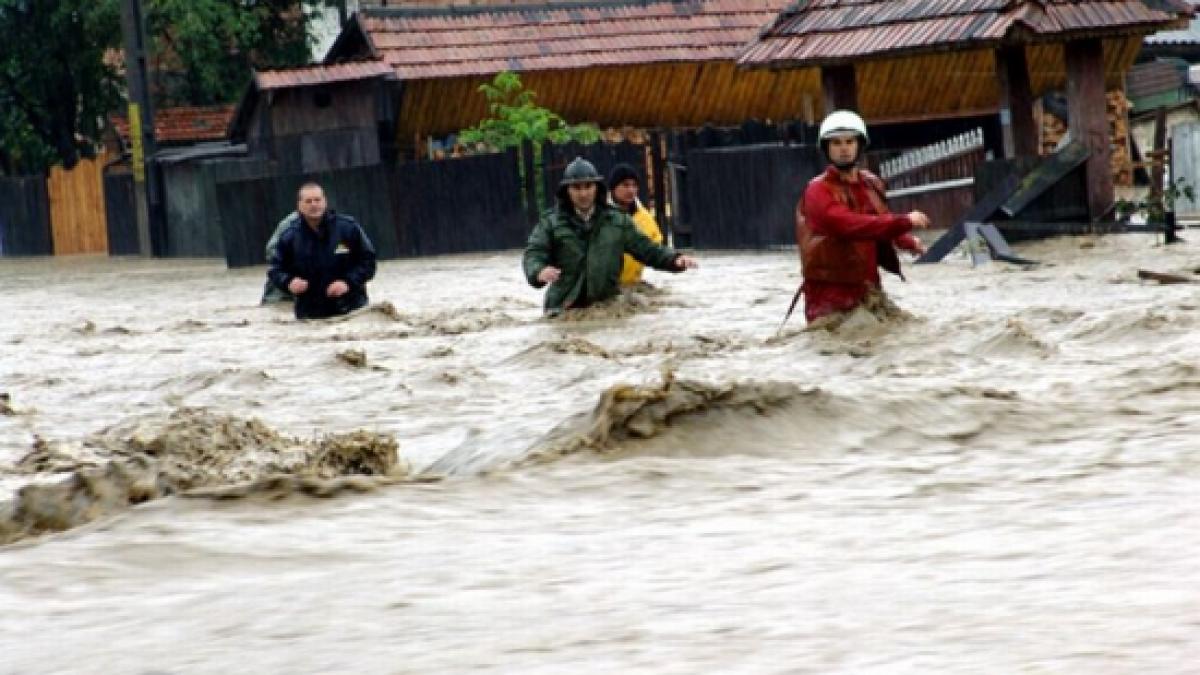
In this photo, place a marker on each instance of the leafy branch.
(1155, 207)
(516, 117)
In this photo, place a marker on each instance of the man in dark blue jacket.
(323, 258)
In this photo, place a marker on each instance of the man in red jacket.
(843, 227)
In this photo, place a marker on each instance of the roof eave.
(1016, 39)
(237, 123)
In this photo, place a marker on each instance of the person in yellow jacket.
(623, 185)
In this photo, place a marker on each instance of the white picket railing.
(913, 159)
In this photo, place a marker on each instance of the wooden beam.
(983, 210)
(1089, 119)
(1045, 176)
(839, 87)
(1016, 102)
(658, 164)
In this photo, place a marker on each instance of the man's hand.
(549, 274)
(919, 220)
(337, 289)
(917, 246)
(297, 286)
(685, 262)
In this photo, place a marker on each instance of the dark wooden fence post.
(658, 166)
(529, 181)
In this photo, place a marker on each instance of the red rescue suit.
(845, 233)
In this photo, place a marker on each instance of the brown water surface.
(1007, 479)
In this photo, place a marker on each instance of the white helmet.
(842, 122)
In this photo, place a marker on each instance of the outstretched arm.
(655, 255)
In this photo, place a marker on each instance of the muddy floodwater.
(1007, 480)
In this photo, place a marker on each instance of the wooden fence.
(24, 217)
(77, 213)
(417, 208)
(745, 197)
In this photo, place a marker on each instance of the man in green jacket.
(577, 247)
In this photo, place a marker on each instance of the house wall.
(321, 128)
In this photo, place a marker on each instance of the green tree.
(204, 49)
(55, 85)
(517, 118)
(61, 71)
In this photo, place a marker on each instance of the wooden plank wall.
(77, 213)
(1185, 164)
(676, 95)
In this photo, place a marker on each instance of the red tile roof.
(187, 124)
(285, 78)
(830, 31)
(451, 42)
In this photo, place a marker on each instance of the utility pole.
(141, 120)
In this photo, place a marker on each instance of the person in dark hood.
(844, 229)
(323, 258)
(577, 246)
(271, 294)
(624, 185)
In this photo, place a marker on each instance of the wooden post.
(1157, 156)
(529, 182)
(1089, 119)
(1016, 102)
(658, 166)
(141, 123)
(840, 88)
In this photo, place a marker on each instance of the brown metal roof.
(455, 42)
(831, 31)
(1155, 77)
(187, 124)
(286, 78)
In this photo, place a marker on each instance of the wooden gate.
(77, 214)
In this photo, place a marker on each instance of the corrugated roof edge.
(420, 11)
(1181, 11)
(237, 124)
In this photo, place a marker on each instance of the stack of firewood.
(1051, 129)
(620, 134)
(1118, 129)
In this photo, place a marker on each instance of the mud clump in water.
(577, 345)
(631, 412)
(355, 358)
(357, 453)
(190, 450)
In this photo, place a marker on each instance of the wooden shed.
(925, 59)
(317, 118)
